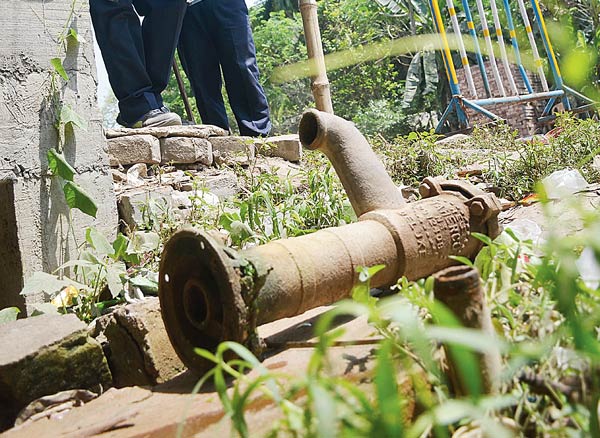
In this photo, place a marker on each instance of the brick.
(186, 150)
(134, 149)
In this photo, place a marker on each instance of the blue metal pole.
(515, 44)
(471, 26)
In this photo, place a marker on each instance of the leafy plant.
(9, 314)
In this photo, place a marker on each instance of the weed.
(409, 159)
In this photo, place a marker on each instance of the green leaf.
(463, 260)
(73, 35)
(113, 278)
(9, 314)
(147, 285)
(325, 409)
(120, 246)
(485, 239)
(388, 400)
(68, 116)
(99, 242)
(76, 197)
(240, 231)
(58, 67)
(44, 309)
(361, 292)
(59, 166)
(40, 282)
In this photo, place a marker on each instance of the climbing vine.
(66, 119)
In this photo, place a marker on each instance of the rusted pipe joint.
(459, 288)
(210, 293)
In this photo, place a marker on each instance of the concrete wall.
(38, 216)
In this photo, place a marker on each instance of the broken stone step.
(137, 345)
(186, 150)
(134, 149)
(44, 355)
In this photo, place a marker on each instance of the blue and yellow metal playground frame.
(459, 103)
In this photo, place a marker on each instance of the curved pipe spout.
(368, 185)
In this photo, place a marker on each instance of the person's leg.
(199, 60)
(237, 56)
(160, 32)
(119, 36)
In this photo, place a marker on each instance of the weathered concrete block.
(233, 149)
(222, 184)
(287, 147)
(37, 212)
(186, 150)
(137, 345)
(133, 204)
(43, 355)
(134, 149)
(198, 131)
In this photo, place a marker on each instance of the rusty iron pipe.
(363, 175)
(210, 293)
(459, 288)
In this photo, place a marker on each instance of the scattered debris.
(54, 406)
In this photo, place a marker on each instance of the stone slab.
(199, 131)
(133, 203)
(287, 147)
(233, 149)
(137, 345)
(186, 150)
(133, 149)
(223, 184)
(43, 355)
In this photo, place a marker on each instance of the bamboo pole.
(183, 93)
(314, 46)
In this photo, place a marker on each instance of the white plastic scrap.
(563, 183)
(589, 268)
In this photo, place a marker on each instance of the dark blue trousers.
(216, 36)
(138, 56)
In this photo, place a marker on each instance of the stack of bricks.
(520, 116)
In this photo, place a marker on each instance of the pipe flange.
(484, 209)
(200, 297)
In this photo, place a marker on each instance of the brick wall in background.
(521, 116)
